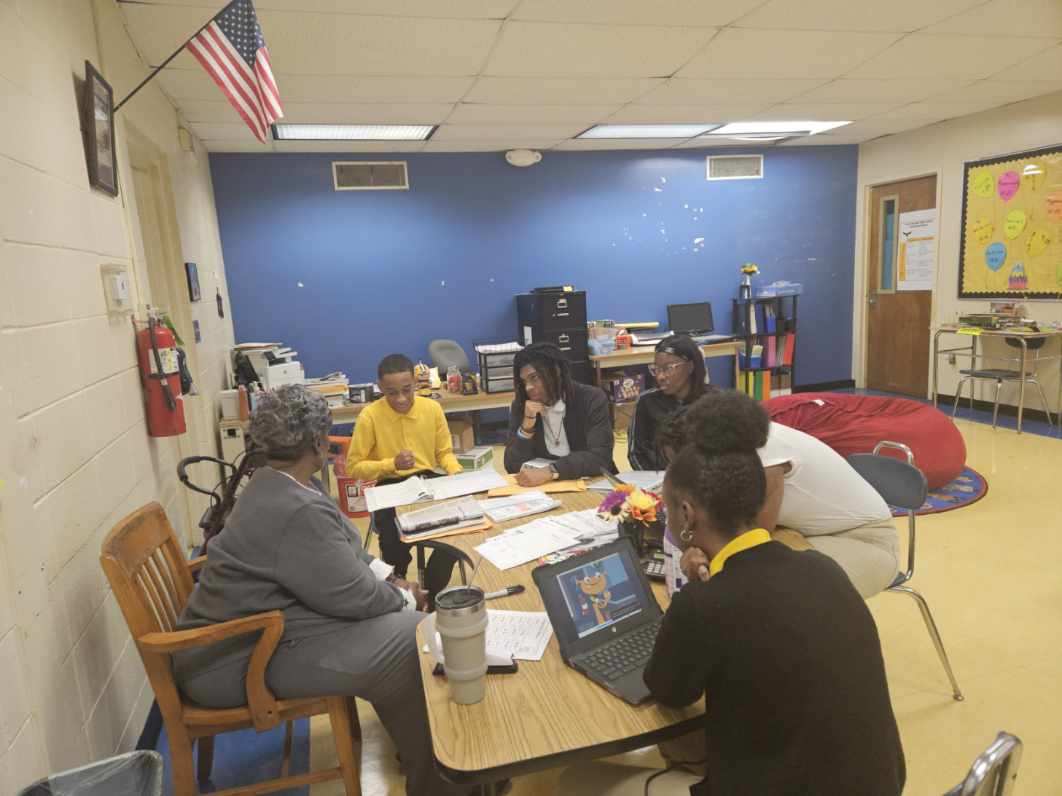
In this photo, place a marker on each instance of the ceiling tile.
(684, 13)
(898, 90)
(468, 113)
(997, 92)
(824, 111)
(527, 49)
(929, 112)
(1007, 18)
(718, 142)
(486, 146)
(583, 144)
(327, 113)
(948, 55)
(328, 44)
(783, 53)
(196, 85)
(502, 132)
(221, 131)
(1044, 65)
(684, 91)
(348, 146)
(678, 114)
(898, 15)
(447, 9)
(559, 90)
(237, 146)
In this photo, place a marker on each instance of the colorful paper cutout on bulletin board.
(1012, 226)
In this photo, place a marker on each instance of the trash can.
(132, 774)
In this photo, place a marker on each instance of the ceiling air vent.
(735, 167)
(360, 175)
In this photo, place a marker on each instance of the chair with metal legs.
(1001, 375)
(903, 485)
(994, 771)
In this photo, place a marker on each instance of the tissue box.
(476, 458)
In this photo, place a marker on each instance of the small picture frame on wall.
(191, 270)
(98, 125)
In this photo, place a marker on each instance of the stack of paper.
(504, 509)
(649, 480)
(526, 543)
(463, 513)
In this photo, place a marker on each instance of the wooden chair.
(151, 580)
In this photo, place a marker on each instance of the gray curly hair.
(289, 422)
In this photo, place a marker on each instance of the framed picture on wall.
(98, 125)
(191, 270)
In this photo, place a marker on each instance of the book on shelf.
(790, 348)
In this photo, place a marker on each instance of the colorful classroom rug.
(965, 490)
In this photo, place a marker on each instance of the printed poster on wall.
(917, 256)
(1012, 226)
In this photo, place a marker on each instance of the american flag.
(233, 52)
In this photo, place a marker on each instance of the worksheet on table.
(518, 634)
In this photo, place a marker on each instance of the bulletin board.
(1012, 226)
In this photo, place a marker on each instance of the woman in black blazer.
(556, 419)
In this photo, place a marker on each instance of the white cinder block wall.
(74, 453)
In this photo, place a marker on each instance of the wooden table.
(1024, 361)
(643, 355)
(450, 402)
(547, 714)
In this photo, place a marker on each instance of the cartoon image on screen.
(598, 594)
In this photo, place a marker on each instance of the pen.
(506, 592)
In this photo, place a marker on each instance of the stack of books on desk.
(334, 387)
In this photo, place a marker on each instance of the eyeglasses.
(666, 371)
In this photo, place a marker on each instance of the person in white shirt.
(811, 489)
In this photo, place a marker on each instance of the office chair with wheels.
(994, 771)
(1001, 375)
(903, 485)
(447, 353)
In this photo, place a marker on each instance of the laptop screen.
(603, 589)
(598, 594)
(690, 318)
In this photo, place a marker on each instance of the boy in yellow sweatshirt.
(395, 437)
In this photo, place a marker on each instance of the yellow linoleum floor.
(991, 575)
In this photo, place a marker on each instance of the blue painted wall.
(347, 277)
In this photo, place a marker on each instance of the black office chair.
(903, 485)
(447, 353)
(994, 771)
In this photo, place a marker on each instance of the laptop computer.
(604, 615)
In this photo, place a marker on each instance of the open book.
(421, 490)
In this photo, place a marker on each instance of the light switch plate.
(117, 289)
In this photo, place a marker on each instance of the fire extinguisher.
(160, 374)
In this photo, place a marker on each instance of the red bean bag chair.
(856, 423)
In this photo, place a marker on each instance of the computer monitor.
(690, 318)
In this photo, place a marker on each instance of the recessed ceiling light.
(775, 128)
(646, 130)
(352, 132)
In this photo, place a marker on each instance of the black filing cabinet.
(558, 317)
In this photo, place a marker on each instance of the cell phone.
(438, 671)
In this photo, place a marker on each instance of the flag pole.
(173, 55)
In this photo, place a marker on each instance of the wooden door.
(897, 320)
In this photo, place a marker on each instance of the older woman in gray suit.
(349, 625)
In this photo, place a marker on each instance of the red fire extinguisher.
(160, 374)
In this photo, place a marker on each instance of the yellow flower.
(641, 501)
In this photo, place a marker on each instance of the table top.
(955, 327)
(546, 714)
(450, 402)
(642, 354)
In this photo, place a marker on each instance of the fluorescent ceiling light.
(352, 132)
(764, 129)
(647, 130)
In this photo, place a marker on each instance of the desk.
(547, 715)
(1023, 339)
(643, 355)
(450, 402)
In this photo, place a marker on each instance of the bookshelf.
(767, 327)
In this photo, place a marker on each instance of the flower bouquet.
(640, 515)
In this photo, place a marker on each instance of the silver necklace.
(554, 436)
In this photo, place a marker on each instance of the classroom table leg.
(737, 370)
(1021, 384)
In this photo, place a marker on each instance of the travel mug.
(461, 621)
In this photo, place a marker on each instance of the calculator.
(654, 566)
